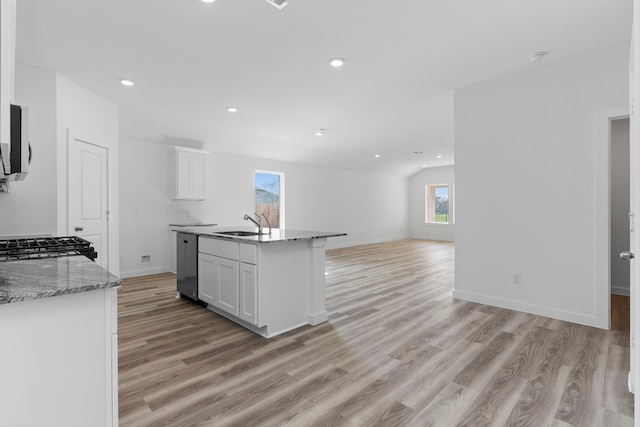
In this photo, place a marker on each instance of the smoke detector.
(280, 4)
(538, 56)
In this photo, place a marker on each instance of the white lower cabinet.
(218, 282)
(59, 361)
(249, 293)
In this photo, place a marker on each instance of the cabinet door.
(198, 175)
(190, 174)
(248, 293)
(227, 281)
(207, 277)
(183, 175)
(218, 282)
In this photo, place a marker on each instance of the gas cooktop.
(45, 247)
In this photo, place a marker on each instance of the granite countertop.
(277, 234)
(43, 278)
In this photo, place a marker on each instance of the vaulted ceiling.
(190, 60)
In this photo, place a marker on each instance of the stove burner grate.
(45, 247)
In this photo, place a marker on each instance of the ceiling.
(393, 97)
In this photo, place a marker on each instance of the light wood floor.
(397, 350)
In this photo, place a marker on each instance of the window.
(269, 188)
(437, 204)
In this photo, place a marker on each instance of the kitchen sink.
(239, 233)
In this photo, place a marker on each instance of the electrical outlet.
(145, 258)
(516, 278)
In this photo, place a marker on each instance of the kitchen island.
(58, 328)
(268, 283)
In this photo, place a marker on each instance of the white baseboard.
(315, 319)
(145, 272)
(433, 238)
(569, 316)
(364, 242)
(618, 290)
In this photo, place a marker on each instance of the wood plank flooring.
(397, 350)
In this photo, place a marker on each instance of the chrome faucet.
(268, 223)
(258, 223)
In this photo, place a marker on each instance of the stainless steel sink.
(239, 233)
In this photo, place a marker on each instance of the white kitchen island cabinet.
(218, 282)
(249, 293)
(268, 284)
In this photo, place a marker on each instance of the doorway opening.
(619, 190)
(602, 155)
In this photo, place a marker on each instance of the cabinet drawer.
(248, 253)
(219, 248)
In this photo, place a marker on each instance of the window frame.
(281, 200)
(451, 210)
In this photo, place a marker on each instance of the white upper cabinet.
(190, 173)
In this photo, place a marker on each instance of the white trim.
(602, 202)
(450, 197)
(433, 239)
(619, 290)
(527, 308)
(189, 150)
(145, 272)
(70, 138)
(317, 318)
(365, 242)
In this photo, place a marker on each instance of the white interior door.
(88, 195)
(634, 149)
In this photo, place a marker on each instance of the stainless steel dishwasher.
(187, 265)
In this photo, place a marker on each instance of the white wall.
(93, 119)
(525, 184)
(417, 227)
(38, 205)
(620, 192)
(370, 208)
(29, 208)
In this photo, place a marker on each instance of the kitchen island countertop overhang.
(276, 235)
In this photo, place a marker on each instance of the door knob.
(79, 228)
(627, 256)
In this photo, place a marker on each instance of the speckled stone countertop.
(277, 234)
(43, 278)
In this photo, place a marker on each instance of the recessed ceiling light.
(126, 82)
(337, 62)
(424, 166)
(377, 156)
(538, 56)
(208, 1)
(232, 109)
(439, 156)
(319, 133)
